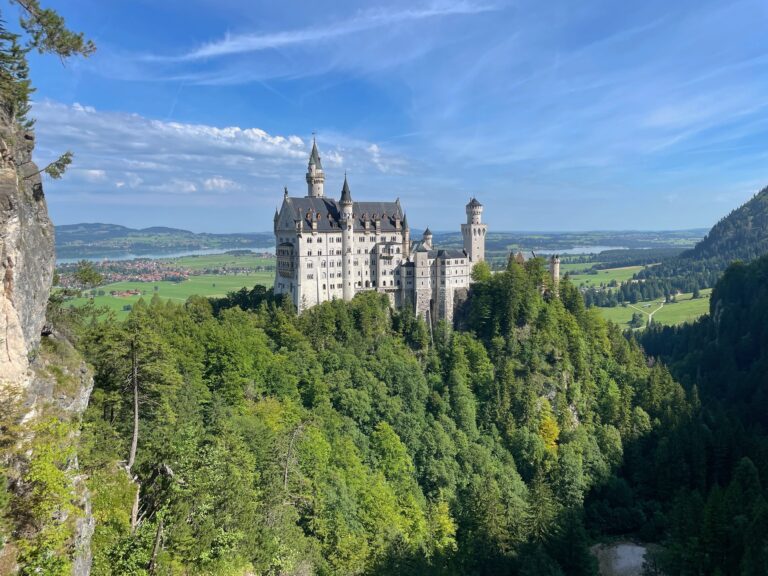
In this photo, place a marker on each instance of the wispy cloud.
(363, 22)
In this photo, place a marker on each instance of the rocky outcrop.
(26, 256)
(43, 380)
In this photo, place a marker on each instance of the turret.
(347, 231)
(406, 236)
(474, 231)
(315, 174)
(427, 238)
(554, 270)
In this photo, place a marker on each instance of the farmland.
(684, 309)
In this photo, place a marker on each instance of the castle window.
(309, 240)
(323, 286)
(309, 252)
(319, 252)
(373, 238)
(322, 263)
(309, 264)
(319, 239)
(310, 276)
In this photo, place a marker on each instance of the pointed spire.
(427, 232)
(346, 195)
(314, 157)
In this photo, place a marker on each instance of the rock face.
(48, 379)
(26, 256)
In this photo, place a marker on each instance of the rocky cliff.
(41, 381)
(26, 256)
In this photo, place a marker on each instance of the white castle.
(329, 249)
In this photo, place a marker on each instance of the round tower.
(554, 269)
(347, 239)
(427, 238)
(474, 231)
(315, 174)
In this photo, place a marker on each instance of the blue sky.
(557, 115)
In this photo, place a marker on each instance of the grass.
(220, 260)
(685, 309)
(205, 285)
(605, 276)
(574, 268)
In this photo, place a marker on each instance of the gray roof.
(442, 254)
(474, 203)
(330, 213)
(427, 232)
(314, 157)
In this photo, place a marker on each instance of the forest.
(232, 435)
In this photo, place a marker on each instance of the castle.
(328, 249)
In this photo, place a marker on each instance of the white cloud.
(132, 160)
(94, 175)
(365, 21)
(220, 184)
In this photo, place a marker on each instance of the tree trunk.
(135, 385)
(135, 508)
(156, 547)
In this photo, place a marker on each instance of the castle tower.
(474, 232)
(347, 238)
(406, 236)
(554, 270)
(427, 238)
(315, 174)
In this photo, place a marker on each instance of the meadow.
(684, 309)
(604, 276)
(208, 261)
(209, 285)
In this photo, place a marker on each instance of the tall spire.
(346, 195)
(314, 157)
(315, 174)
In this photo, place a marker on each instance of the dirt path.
(649, 314)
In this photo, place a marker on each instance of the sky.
(556, 115)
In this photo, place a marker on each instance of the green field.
(220, 260)
(605, 276)
(204, 285)
(574, 268)
(683, 310)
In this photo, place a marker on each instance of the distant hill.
(97, 240)
(741, 235)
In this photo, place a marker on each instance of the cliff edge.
(27, 256)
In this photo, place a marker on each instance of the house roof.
(329, 211)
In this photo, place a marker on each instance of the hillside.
(112, 240)
(347, 440)
(721, 455)
(741, 235)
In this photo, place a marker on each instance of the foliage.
(347, 441)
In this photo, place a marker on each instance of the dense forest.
(721, 512)
(232, 435)
(742, 235)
